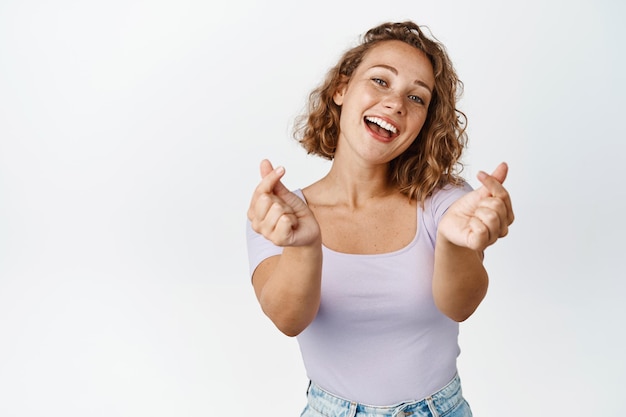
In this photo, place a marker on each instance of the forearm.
(460, 280)
(290, 296)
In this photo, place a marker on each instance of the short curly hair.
(433, 159)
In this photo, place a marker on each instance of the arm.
(288, 285)
(470, 225)
(460, 281)
(288, 288)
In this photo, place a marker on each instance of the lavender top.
(378, 337)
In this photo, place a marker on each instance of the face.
(385, 103)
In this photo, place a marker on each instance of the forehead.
(400, 55)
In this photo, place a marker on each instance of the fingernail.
(481, 175)
(279, 170)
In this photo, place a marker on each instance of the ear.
(340, 92)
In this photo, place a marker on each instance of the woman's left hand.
(482, 216)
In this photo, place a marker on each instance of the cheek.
(405, 146)
(416, 124)
(365, 94)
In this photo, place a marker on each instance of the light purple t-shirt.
(378, 337)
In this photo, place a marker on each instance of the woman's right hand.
(280, 215)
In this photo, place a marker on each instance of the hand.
(482, 216)
(280, 215)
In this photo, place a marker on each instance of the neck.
(355, 186)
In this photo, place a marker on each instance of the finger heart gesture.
(482, 216)
(278, 214)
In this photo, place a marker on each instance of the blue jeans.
(447, 402)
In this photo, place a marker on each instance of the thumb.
(492, 183)
(275, 184)
(500, 172)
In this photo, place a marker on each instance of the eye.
(416, 99)
(380, 81)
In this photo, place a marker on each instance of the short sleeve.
(437, 204)
(259, 248)
(445, 197)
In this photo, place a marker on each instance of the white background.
(130, 137)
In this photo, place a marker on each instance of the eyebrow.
(395, 71)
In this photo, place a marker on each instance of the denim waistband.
(435, 405)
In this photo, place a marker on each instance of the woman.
(373, 266)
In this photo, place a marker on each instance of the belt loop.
(431, 406)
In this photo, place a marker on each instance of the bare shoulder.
(314, 193)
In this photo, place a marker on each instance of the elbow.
(459, 302)
(459, 316)
(291, 332)
(456, 312)
(290, 329)
(290, 324)
(291, 319)
(461, 309)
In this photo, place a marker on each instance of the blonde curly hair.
(433, 159)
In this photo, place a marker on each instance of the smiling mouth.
(381, 127)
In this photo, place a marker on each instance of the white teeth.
(382, 123)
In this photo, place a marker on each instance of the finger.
(479, 237)
(494, 188)
(270, 180)
(260, 207)
(502, 207)
(498, 175)
(273, 215)
(273, 176)
(265, 167)
(267, 202)
(501, 172)
(493, 221)
(498, 207)
(283, 232)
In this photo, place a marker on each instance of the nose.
(394, 101)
